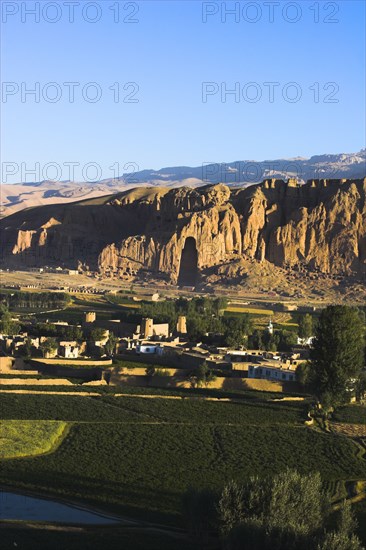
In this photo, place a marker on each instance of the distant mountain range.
(238, 173)
(345, 165)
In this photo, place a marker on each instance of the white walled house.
(272, 372)
(147, 348)
(69, 351)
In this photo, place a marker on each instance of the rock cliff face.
(320, 226)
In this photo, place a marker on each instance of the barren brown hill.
(16, 197)
(178, 233)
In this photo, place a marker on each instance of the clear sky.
(164, 53)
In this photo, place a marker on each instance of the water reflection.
(15, 506)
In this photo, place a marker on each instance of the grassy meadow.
(24, 438)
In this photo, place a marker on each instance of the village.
(102, 351)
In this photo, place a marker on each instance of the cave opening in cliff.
(188, 272)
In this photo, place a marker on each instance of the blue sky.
(169, 53)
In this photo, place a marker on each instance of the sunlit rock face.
(320, 225)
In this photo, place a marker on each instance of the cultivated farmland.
(138, 455)
(22, 438)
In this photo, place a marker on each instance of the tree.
(220, 304)
(48, 346)
(285, 511)
(27, 348)
(339, 541)
(44, 329)
(337, 355)
(297, 503)
(70, 332)
(303, 374)
(110, 345)
(231, 506)
(255, 340)
(97, 334)
(287, 339)
(201, 373)
(361, 387)
(196, 328)
(204, 375)
(306, 326)
(271, 342)
(7, 325)
(343, 538)
(237, 330)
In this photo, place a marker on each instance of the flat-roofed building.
(273, 372)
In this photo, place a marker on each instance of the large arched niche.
(188, 270)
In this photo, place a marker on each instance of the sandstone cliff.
(320, 226)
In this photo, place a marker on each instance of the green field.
(137, 456)
(73, 314)
(108, 408)
(24, 438)
(353, 414)
(252, 310)
(29, 537)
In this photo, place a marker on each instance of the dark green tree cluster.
(168, 311)
(96, 334)
(7, 325)
(280, 340)
(47, 300)
(66, 332)
(161, 312)
(236, 330)
(204, 316)
(203, 375)
(343, 538)
(338, 354)
(288, 511)
(282, 512)
(48, 346)
(110, 345)
(228, 331)
(306, 326)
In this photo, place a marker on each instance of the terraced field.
(138, 456)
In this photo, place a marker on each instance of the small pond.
(15, 506)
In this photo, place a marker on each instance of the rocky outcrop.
(320, 226)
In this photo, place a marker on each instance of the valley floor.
(263, 284)
(136, 456)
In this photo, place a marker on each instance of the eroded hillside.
(319, 226)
